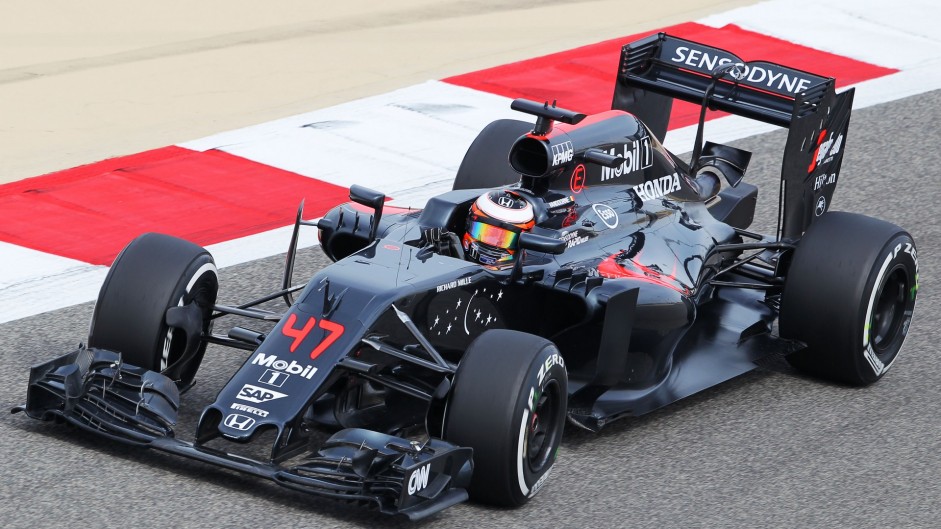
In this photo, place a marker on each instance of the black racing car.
(439, 371)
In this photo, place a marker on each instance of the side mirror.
(541, 243)
(369, 198)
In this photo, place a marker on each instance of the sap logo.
(292, 367)
(562, 153)
(419, 479)
(607, 215)
(554, 359)
(656, 188)
(638, 156)
(258, 395)
(239, 422)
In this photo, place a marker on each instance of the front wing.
(95, 391)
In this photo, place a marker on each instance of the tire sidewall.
(489, 410)
(841, 263)
(199, 271)
(899, 253)
(547, 373)
(153, 273)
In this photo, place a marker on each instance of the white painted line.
(260, 245)
(898, 35)
(407, 143)
(34, 282)
(38, 282)
(410, 142)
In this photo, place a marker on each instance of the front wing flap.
(396, 475)
(94, 390)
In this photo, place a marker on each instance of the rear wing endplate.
(660, 68)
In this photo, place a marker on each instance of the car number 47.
(332, 332)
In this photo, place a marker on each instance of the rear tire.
(152, 274)
(508, 404)
(486, 163)
(850, 295)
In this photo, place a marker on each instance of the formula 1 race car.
(440, 356)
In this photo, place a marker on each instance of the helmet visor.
(492, 235)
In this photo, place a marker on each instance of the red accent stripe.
(89, 213)
(583, 79)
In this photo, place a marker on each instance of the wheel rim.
(889, 312)
(543, 430)
(202, 292)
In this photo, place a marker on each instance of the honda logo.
(239, 422)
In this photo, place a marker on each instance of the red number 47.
(334, 331)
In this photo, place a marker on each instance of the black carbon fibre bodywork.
(640, 270)
(665, 251)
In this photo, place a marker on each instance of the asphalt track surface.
(770, 448)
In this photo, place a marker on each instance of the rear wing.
(660, 68)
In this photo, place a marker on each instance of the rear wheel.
(486, 163)
(508, 404)
(152, 275)
(850, 295)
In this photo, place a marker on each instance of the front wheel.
(850, 295)
(152, 275)
(508, 403)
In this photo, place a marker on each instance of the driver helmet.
(494, 224)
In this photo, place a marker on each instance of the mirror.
(541, 243)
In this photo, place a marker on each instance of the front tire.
(153, 274)
(508, 403)
(850, 295)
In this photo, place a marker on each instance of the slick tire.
(152, 274)
(508, 403)
(849, 295)
(486, 163)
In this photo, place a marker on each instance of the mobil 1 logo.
(274, 378)
(280, 370)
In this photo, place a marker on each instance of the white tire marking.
(521, 478)
(208, 267)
